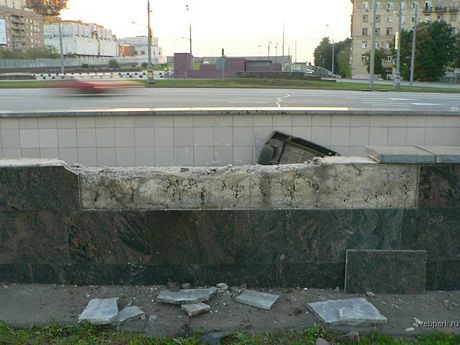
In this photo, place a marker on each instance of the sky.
(241, 27)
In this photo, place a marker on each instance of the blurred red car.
(91, 87)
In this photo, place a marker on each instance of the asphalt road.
(46, 99)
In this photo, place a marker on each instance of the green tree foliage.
(323, 56)
(436, 48)
(380, 57)
(48, 52)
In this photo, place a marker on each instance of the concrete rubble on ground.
(195, 309)
(257, 299)
(347, 312)
(186, 296)
(130, 313)
(100, 311)
(321, 341)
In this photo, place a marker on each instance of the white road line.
(280, 99)
(427, 104)
(248, 102)
(402, 99)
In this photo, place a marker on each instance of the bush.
(113, 64)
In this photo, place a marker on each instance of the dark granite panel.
(357, 229)
(439, 186)
(431, 273)
(300, 236)
(448, 277)
(33, 237)
(383, 271)
(152, 237)
(15, 273)
(316, 275)
(269, 236)
(87, 274)
(38, 188)
(434, 230)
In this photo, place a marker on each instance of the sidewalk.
(39, 305)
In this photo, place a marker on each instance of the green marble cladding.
(404, 271)
(34, 188)
(436, 230)
(439, 186)
(228, 237)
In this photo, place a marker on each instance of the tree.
(343, 58)
(436, 49)
(323, 54)
(380, 57)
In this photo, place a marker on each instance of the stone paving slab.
(400, 155)
(186, 296)
(129, 313)
(444, 154)
(257, 299)
(347, 312)
(100, 311)
(195, 309)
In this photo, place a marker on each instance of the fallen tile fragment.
(186, 296)
(257, 299)
(321, 341)
(347, 312)
(130, 313)
(195, 309)
(100, 311)
(222, 287)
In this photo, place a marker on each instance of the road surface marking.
(428, 104)
(280, 99)
(402, 99)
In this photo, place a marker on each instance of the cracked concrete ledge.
(222, 111)
(322, 184)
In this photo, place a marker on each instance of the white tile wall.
(209, 139)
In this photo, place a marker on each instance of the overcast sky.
(239, 26)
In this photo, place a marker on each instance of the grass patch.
(87, 334)
(245, 83)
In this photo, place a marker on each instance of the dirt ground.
(26, 305)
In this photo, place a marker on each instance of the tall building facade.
(387, 22)
(83, 39)
(138, 46)
(20, 29)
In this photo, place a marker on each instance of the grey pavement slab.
(130, 313)
(404, 271)
(100, 311)
(195, 309)
(400, 154)
(257, 299)
(347, 312)
(186, 296)
(444, 154)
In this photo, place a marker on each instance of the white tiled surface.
(208, 139)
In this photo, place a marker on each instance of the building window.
(377, 45)
(389, 19)
(365, 18)
(389, 59)
(364, 45)
(363, 58)
(377, 18)
(389, 5)
(412, 4)
(387, 45)
(378, 4)
(377, 31)
(453, 17)
(389, 32)
(365, 32)
(365, 5)
(413, 19)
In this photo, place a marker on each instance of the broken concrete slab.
(257, 299)
(130, 313)
(400, 154)
(444, 154)
(186, 296)
(195, 309)
(347, 312)
(100, 311)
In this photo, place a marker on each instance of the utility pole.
(333, 59)
(414, 40)
(282, 62)
(276, 52)
(268, 55)
(397, 81)
(372, 62)
(187, 8)
(149, 47)
(295, 45)
(61, 48)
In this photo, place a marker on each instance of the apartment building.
(83, 39)
(20, 29)
(387, 21)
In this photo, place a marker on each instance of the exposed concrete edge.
(221, 111)
(36, 163)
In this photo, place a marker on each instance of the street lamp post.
(397, 81)
(150, 79)
(187, 8)
(276, 52)
(268, 54)
(61, 49)
(333, 53)
(414, 40)
(372, 62)
(259, 46)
